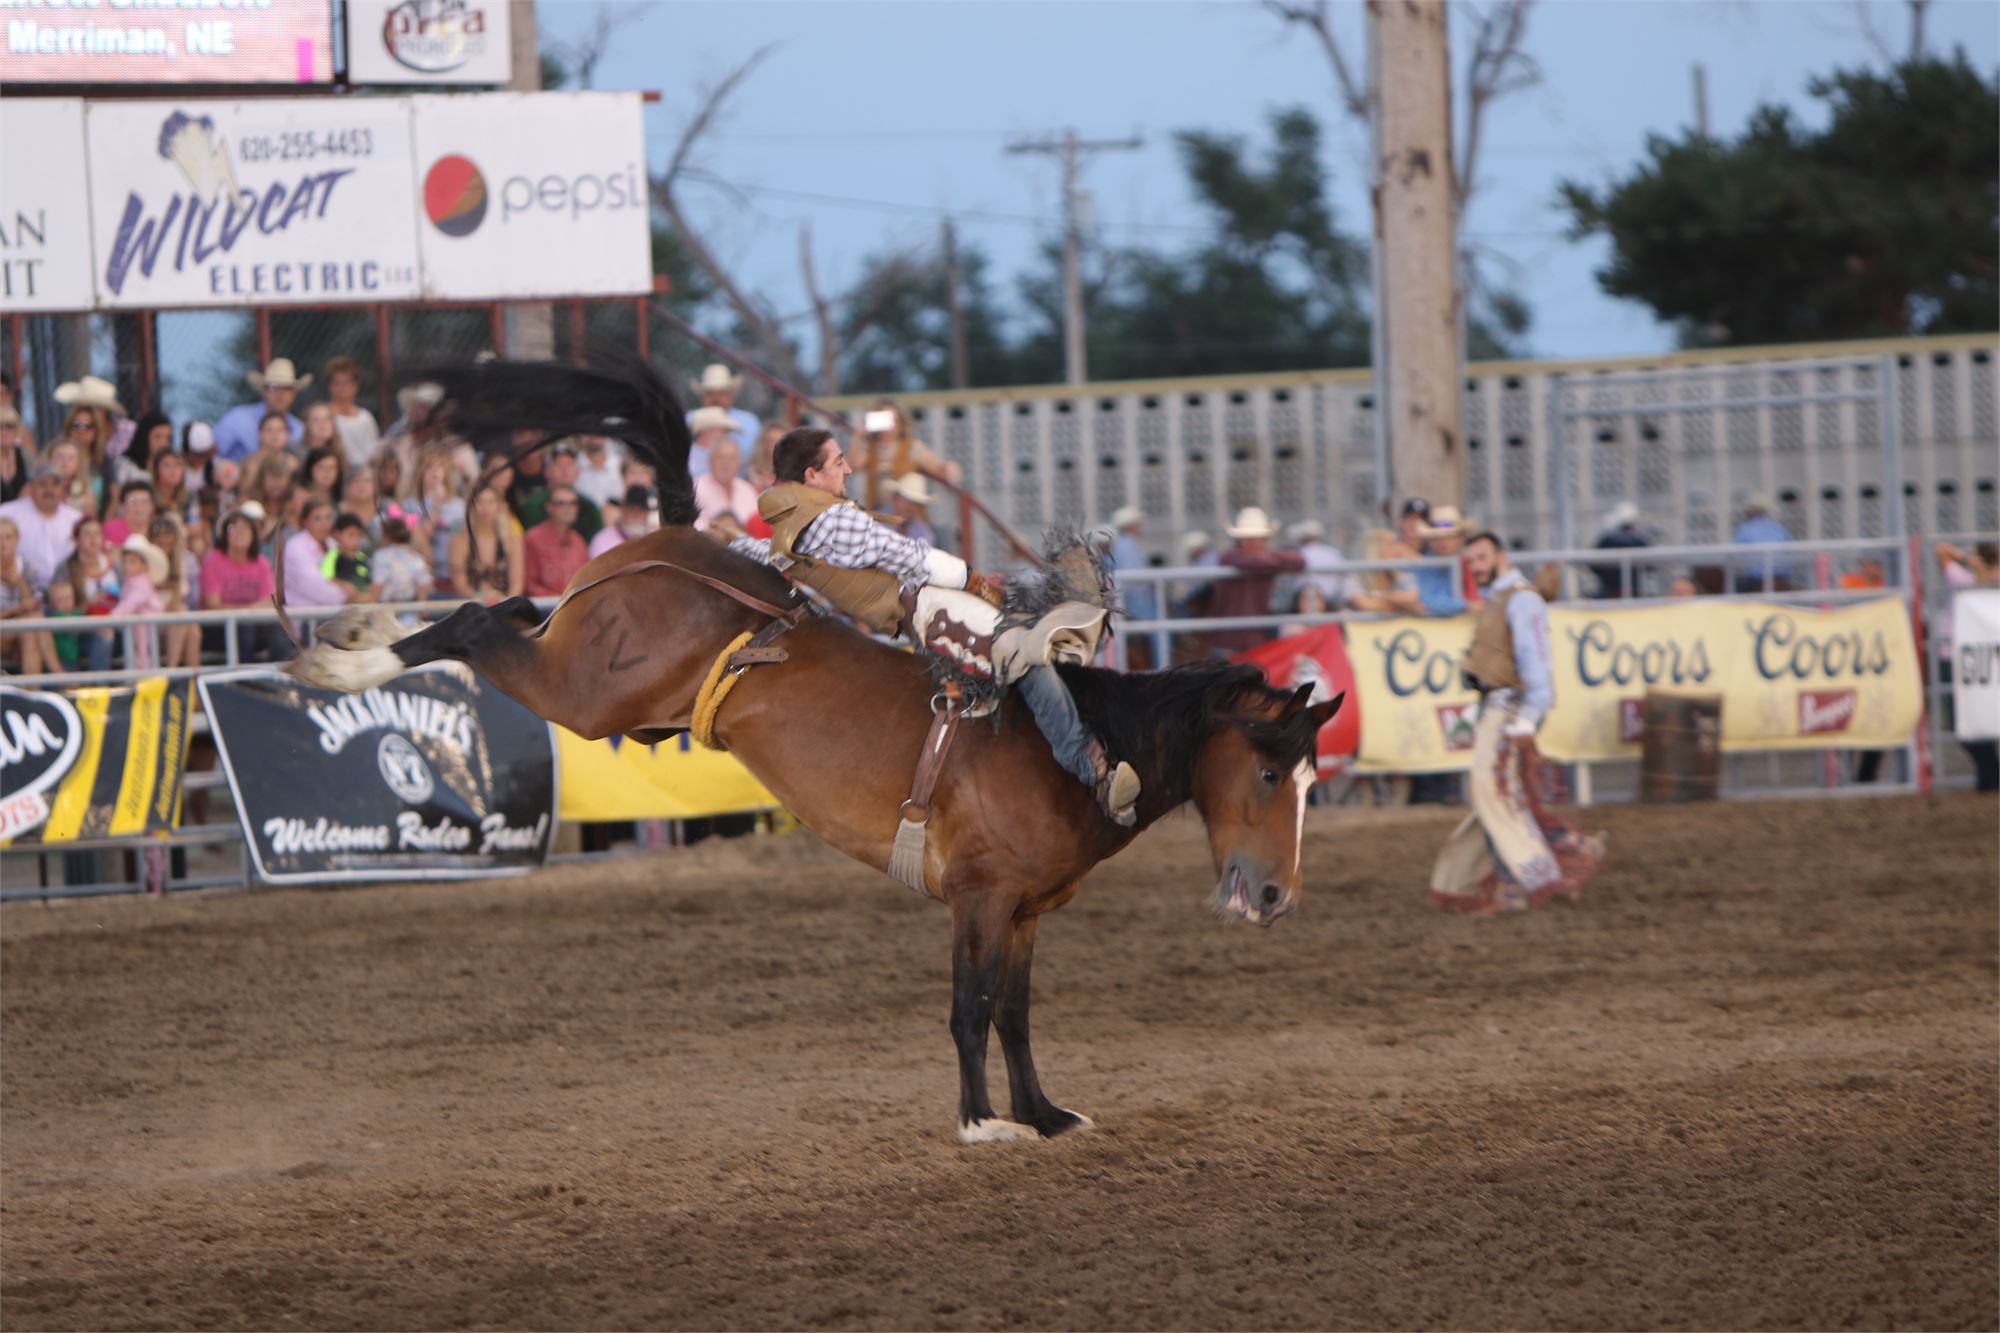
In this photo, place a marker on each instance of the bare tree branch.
(829, 352)
(1355, 94)
(583, 54)
(1870, 35)
(756, 317)
(1499, 68)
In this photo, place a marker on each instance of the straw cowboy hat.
(1445, 521)
(280, 374)
(1190, 543)
(705, 419)
(912, 487)
(1252, 522)
(1127, 516)
(90, 391)
(155, 558)
(1307, 530)
(716, 376)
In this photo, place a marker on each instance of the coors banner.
(427, 777)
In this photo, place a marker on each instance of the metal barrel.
(1681, 747)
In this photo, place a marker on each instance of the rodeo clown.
(872, 572)
(1509, 854)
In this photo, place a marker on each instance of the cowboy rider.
(824, 540)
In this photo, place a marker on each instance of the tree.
(1882, 224)
(1275, 286)
(895, 334)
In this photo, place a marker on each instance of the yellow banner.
(1416, 714)
(626, 779)
(1789, 678)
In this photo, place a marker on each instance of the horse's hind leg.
(1010, 1018)
(363, 648)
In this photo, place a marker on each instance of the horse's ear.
(1300, 697)
(1323, 713)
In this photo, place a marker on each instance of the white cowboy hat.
(200, 437)
(1190, 542)
(280, 374)
(425, 394)
(717, 376)
(250, 509)
(1310, 529)
(1251, 522)
(1127, 516)
(90, 391)
(912, 487)
(1445, 521)
(1623, 515)
(155, 558)
(705, 419)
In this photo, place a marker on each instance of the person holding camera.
(888, 449)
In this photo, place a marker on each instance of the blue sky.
(873, 117)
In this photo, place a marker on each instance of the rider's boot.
(1117, 788)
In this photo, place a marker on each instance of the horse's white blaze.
(1302, 784)
(994, 1131)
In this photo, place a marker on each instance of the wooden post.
(385, 362)
(1418, 228)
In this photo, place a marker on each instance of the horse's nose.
(1272, 893)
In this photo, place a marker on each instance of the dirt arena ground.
(1750, 1083)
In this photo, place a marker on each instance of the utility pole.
(531, 326)
(1416, 228)
(1071, 150)
(961, 366)
(1701, 99)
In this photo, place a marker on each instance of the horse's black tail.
(625, 400)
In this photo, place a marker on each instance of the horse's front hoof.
(995, 1130)
(1059, 1121)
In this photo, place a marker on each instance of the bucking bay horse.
(835, 729)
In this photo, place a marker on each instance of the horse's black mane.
(1157, 720)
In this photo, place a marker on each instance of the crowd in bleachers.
(119, 514)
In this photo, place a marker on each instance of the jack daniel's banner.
(426, 777)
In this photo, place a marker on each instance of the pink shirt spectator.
(712, 498)
(304, 584)
(139, 598)
(237, 582)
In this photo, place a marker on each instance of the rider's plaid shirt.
(847, 536)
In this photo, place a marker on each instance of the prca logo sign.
(40, 735)
(435, 36)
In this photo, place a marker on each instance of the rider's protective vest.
(871, 596)
(1490, 660)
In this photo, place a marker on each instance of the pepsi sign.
(534, 194)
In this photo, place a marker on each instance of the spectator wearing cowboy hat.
(638, 515)
(910, 500)
(1324, 566)
(717, 388)
(1439, 588)
(90, 405)
(710, 425)
(144, 567)
(278, 384)
(1250, 550)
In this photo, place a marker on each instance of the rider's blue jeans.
(1055, 713)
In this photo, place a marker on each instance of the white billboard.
(44, 206)
(533, 194)
(429, 41)
(265, 202)
(167, 41)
